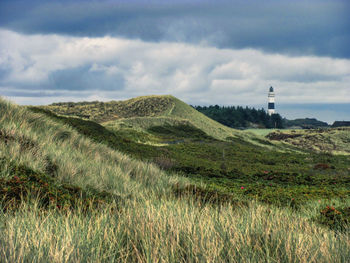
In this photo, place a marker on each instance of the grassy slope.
(331, 140)
(151, 223)
(46, 146)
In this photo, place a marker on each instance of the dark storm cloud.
(293, 27)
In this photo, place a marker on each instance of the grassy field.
(75, 191)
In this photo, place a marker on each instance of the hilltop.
(144, 112)
(145, 106)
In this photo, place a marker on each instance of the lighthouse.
(271, 102)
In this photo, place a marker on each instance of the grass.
(79, 160)
(169, 231)
(261, 132)
(106, 111)
(162, 218)
(26, 184)
(332, 140)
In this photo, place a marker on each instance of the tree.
(237, 117)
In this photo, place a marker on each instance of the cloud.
(307, 27)
(33, 67)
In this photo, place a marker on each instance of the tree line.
(240, 117)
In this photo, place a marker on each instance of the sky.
(203, 52)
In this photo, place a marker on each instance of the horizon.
(288, 111)
(227, 53)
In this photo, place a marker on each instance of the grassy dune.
(144, 112)
(149, 221)
(38, 142)
(331, 140)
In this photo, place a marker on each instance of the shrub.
(321, 166)
(334, 218)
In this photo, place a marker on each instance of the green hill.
(68, 193)
(143, 113)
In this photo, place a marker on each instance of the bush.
(334, 218)
(321, 166)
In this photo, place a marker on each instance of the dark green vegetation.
(334, 218)
(248, 171)
(234, 167)
(26, 184)
(239, 117)
(341, 124)
(307, 123)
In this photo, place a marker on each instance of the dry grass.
(105, 111)
(330, 140)
(168, 231)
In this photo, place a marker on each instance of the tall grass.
(152, 225)
(168, 231)
(79, 161)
